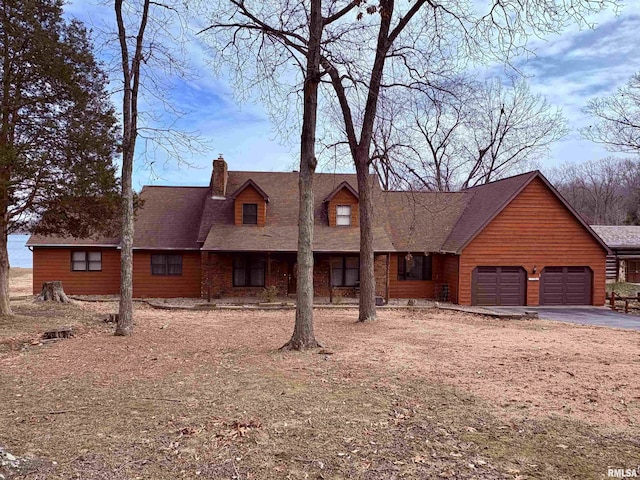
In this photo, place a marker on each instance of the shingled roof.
(190, 218)
(218, 232)
(619, 236)
(422, 221)
(55, 241)
(169, 218)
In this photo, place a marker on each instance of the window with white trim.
(85, 261)
(343, 215)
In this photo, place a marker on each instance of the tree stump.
(58, 333)
(53, 292)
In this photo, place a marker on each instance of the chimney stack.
(219, 178)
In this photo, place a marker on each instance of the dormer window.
(250, 213)
(342, 206)
(343, 215)
(250, 205)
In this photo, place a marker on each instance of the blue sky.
(568, 69)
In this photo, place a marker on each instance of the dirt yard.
(417, 394)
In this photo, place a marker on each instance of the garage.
(499, 286)
(565, 286)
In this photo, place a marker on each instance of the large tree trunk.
(131, 80)
(303, 336)
(5, 306)
(367, 303)
(125, 319)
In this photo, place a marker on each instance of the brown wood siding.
(250, 195)
(166, 286)
(414, 288)
(344, 197)
(51, 264)
(534, 229)
(450, 275)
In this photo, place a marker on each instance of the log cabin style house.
(514, 241)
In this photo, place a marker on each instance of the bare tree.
(475, 132)
(509, 127)
(131, 79)
(149, 37)
(617, 118)
(604, 191)
(294, 37)
(303, 336)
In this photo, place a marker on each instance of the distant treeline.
(604, 192)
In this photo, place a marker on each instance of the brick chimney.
(219, 178)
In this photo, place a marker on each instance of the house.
(623, 264)
(510, 242)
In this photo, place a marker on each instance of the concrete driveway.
(602, 316)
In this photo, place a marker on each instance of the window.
(343, 215)
(248, 270)
(414, 267)
(250, 213)
(345, 271)
(83, 261)
(166, 264)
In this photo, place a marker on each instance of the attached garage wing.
(565, 286)
(499, 286)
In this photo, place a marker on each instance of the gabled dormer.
(342, 206)
(250, 205)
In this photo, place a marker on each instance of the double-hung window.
(343, 215)
(414, 267)
(248, 270)
(163, 264)
(84, 261)
(345, 271)
(250, 213)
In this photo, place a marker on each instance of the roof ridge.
(462, 212)
(175, 186)
(531, 172)
(426, 192)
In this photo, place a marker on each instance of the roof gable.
(488, 200)
(344, 185)
(256, 187)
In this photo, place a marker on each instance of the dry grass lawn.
(21, 281)
(414, 395)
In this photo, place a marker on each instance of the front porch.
(249, 274)
(256, 275)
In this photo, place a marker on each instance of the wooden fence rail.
(613, 296)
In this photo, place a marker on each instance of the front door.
(633, 271)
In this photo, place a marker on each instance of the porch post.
(388, 279)
(267, 280)
(330, 277)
